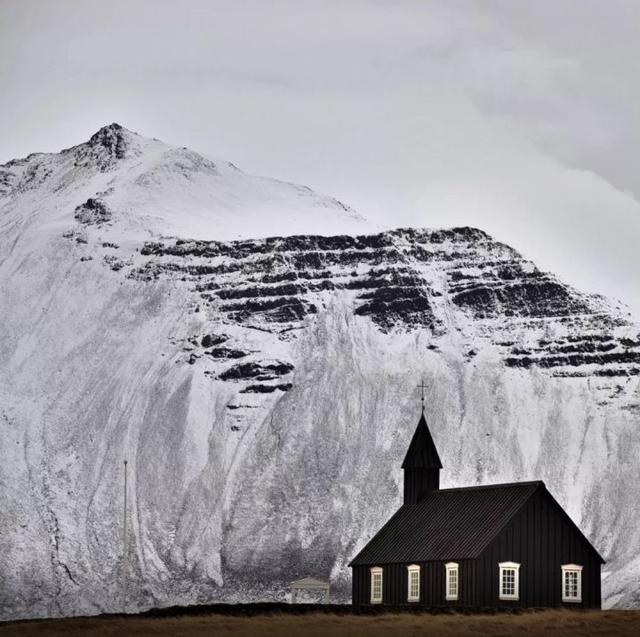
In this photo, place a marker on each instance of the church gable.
(550, 524)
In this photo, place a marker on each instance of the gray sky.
(521, 118)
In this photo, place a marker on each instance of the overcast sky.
(521, 118)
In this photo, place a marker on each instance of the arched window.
(376, 585)
(452, 581)
(413, 583)
(509, 580)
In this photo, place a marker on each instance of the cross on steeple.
(421, 386)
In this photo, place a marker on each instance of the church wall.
(432, 584)
(540, 539)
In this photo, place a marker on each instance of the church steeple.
(421, 465)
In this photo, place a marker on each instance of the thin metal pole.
(125, 546)
(421, 386)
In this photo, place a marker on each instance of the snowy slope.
(151, 187)
(263, 389)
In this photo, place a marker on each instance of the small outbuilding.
(499, 545)
(309, 584)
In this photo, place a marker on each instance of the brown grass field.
(550, 623)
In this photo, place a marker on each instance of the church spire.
(421, 465)
(422, 452)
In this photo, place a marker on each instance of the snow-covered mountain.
(252, 348)
(144, 185)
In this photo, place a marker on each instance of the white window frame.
(411, 569)
(504, 566)
(376, 570)
(450, 569)
(572, 568)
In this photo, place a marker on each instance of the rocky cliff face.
(263, 390)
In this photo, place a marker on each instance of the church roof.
(449, 524)
(422, 452)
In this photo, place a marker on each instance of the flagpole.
(124, 545)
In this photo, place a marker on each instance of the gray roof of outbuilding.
(447, 524)
(309, 583)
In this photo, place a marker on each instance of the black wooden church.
(498, 545)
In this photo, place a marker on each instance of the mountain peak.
(113, 138)
(173, 190)
(112, 143)
(112, 126)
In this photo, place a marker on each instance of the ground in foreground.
(549, 623)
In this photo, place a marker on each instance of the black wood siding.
(418, 483)
(395, 583)
(540, 539)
